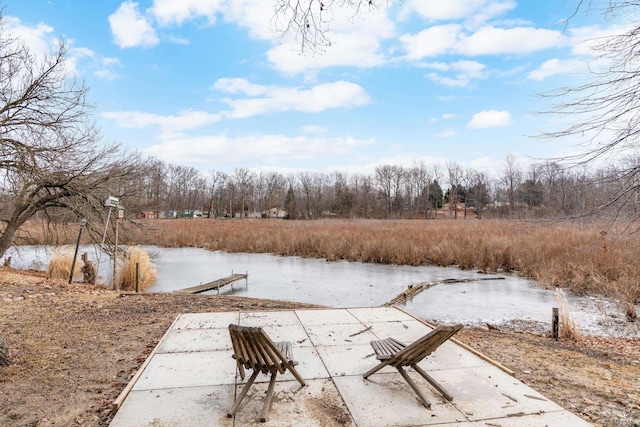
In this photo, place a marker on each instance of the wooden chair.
(392, 352)
(253, 349)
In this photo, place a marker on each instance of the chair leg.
(240, 370)
(295, 373)
(433, 382)
(268, 397)
(242, 394)
(376, 368)
(414, 387)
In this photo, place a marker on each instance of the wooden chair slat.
(394, 353)
(253, 349)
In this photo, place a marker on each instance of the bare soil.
(73, 348)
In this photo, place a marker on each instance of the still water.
(352, 284)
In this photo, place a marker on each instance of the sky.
(215, 85)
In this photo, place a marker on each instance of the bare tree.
(603, 113)
(454, 170)
(243, 179)
(275, 190)
(308, 21)
(51, 158)
(217, 180)
(511, 178)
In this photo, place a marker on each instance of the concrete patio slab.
(380, 314)
(347, 360)
(177, 340)
(318, 404)
(484, 393)
(326, 317)
(387, 400)
(177, 407)
(206, 320)
(176, 370)
(265, 319)
(340, 334)
(190, 379)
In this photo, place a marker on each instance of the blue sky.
(211, 84)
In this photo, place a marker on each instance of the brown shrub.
(127, 274)
(60, 264)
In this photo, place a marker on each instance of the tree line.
(541, 190)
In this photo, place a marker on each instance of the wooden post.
(137, 277)
(555, 322)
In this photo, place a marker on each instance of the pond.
(482, 298)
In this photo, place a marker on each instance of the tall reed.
(146, 270)
(568, 327)
(60, 263)
(584, 259)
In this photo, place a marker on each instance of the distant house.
(274, 213)
(169, 214)
(147, 215)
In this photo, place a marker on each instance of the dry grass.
(60, 264)
(568, 328)
(146, 270)
(586, 260)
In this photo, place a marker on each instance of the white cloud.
(38, 39)
(464, 72)
(130, 28)
(186, 120)
(490, 119)
(584, 39)
(355, 43)
(267, 99)
(488, 40)
(433, 41)
(556, 66)
(446, 116)
(177, 40)
(247, 148)
(41, 41)
(262, 100)
(447, 134)
(493, 41)
(313, 129)
(169, 12)
(476, 10)
(253, 15)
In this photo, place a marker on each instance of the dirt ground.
(73, 349)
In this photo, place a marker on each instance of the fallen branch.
(413, 290)
(362, 331)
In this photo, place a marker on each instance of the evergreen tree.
(290, 204)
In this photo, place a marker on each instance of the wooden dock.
(216, 284)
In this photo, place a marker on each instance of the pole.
(115, 257)
(137, 277)
(106, 224)
(75, 254)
